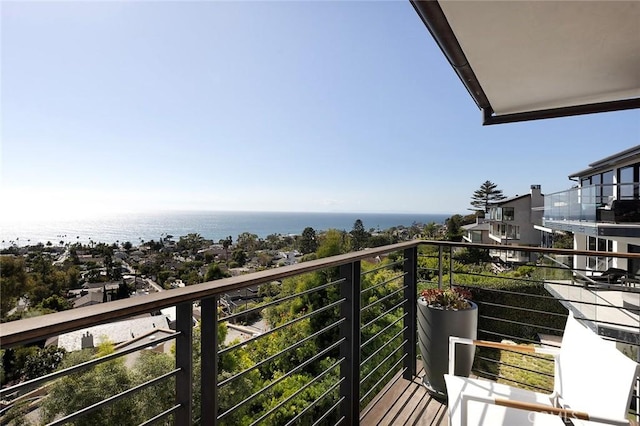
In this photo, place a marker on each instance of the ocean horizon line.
(211, 224)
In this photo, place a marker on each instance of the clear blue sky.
(283, 106)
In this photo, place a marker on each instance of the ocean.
(213, 225)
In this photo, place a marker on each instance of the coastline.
(213, 225)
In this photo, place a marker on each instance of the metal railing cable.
(296, 393)
(285, 325)
(377, 367)
(387, 343)
(382, 315)
(384, 298)
(279, 354)
(390, 280)
(280, 300)
(322, 418)
(280, 379)
(384, 377)
(112, 399)
(379, 333)
(29, 384)
(331, 389)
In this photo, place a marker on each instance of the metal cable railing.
(338, 342)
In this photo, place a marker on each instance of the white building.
(602, 210)
(513, 221)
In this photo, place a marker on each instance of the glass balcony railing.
(316, 343)
(595, 203)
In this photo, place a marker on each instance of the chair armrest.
(496, 345)
(529, 406)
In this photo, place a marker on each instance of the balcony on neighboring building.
(597, 210)
(336, 342)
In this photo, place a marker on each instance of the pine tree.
(485, 195)
(359, 236)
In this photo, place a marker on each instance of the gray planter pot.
(435, 325)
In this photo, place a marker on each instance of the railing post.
(350, 348)
(410, 310)
(184, 342)
(450, 266)
(209, 362)
(440, 267)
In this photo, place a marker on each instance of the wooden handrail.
(42, 327)
(38, 328)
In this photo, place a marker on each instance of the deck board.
(405, 402)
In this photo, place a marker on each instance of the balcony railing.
(594, 203)
(338, 331)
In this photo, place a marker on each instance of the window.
(508, 213)
(507, 231)
(502, 213)
(607, 187)
(601, 185)
(599, 263)
(628, 178)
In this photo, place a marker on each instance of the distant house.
(288, 257)
(88, 294)
(171, 315)
(216, 250)
(121, 255)
(116, 332)
(146, 342)
(88, 299)
(477, 232)
(177, 283)
(113, 285)
(602, 211)
(513, 221)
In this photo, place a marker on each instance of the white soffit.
(535, 55)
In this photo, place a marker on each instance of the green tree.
(247, 242)
(191, 243)
(308, 241)
(14, 360)
(430, 230)
(79, 390)
(454, 228)
(359, 236)
(56, 303)
(226, 243)
(14, 282)
(332, 242)
(274, 242)
(380, 240)
(148, 366)
(485, 195)
(239, 256)
(48, 280)
(42, 362)
(215, 273)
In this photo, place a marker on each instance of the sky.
(268, 106)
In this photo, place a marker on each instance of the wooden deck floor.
(405, 402)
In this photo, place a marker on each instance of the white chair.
(593, 384)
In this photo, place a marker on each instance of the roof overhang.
(526, 60)
(631, 154)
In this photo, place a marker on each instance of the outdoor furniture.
(593, 382)
(620, 211)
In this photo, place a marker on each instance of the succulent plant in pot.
(451, 298)
(443, 313)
